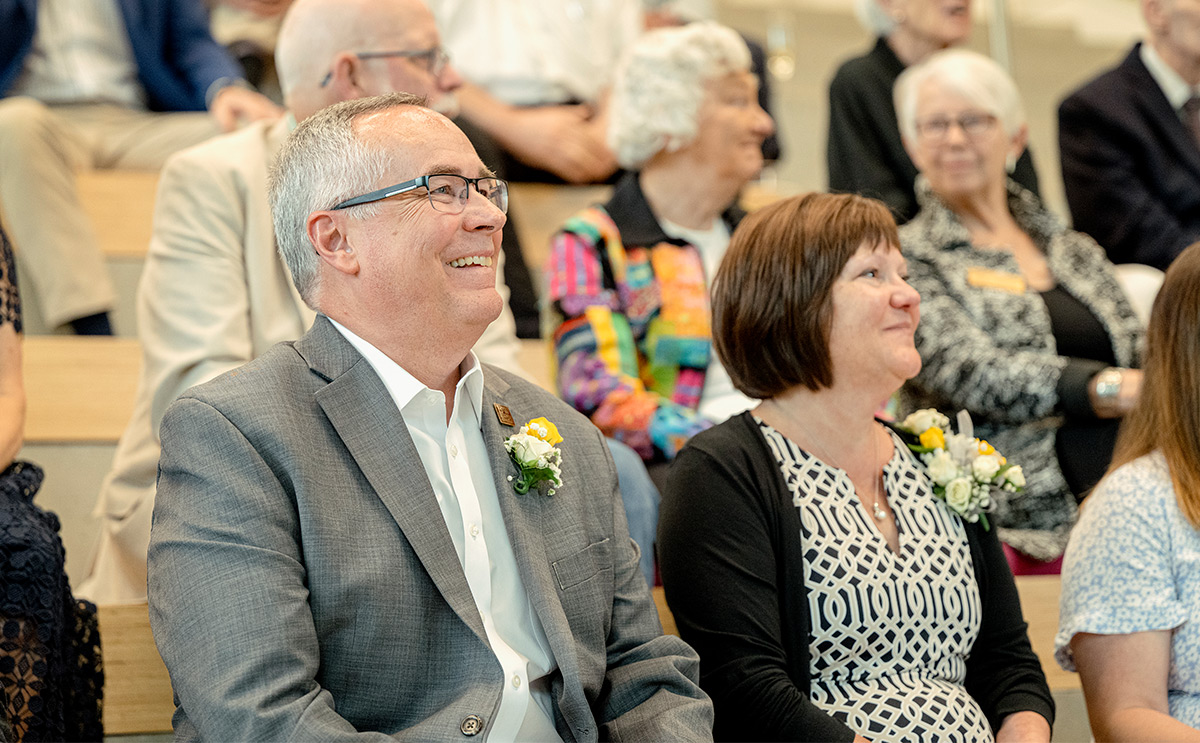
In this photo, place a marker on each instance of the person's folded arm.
(227, 589)
(721, 576)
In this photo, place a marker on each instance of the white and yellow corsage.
(963, 469)
(533, 449)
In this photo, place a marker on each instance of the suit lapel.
(1157, 110)
(361, 411)
(525, 519)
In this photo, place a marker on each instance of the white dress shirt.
(81, 54)
(458, 466)
(534, 52)
(719, 400)
(1174, 87)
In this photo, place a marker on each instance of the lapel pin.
(504, 415)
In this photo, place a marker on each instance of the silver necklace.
(876, 509)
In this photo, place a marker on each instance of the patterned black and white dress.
(891, 633)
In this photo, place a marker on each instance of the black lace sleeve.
(10, 300)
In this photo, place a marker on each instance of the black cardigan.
(732, 564)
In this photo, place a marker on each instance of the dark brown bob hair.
(1167, 414)
(771, 298)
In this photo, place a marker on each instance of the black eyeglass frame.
(423, 182)
(436, 56)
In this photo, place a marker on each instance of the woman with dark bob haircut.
(830, 594)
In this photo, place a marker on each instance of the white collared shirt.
(535, 52)
(459, 469)
(1174, 87)
(81, 54)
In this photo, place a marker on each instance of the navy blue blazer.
(1130, 168)
(176, 56)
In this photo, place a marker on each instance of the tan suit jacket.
(214, 294)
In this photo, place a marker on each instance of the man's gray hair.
(873, 17)
(321, 164)
(659, 86)
(969, 74)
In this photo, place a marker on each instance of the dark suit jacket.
(303, 584)
(1130, 168)
(176, 56)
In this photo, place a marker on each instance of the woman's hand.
(1024, 727)
(1129, 387)
(1125, 686)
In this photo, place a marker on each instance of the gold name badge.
(986, 278)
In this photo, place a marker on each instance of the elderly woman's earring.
(1010, 163)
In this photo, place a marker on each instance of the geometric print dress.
(891, 632)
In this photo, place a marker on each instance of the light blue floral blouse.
(1133, 565)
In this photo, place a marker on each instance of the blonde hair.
(1167, 415)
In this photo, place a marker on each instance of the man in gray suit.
(338, 543)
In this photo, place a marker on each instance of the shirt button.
(471, 725)
(453, 450)
(516, 682)
(474, 530)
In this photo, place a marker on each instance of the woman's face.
(960, 147)
(731, 127)
(941, 23)
(875, 314)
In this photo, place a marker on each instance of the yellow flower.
(986, 448)
(933, 438)
(543, 429)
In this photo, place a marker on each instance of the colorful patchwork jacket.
(631, 322)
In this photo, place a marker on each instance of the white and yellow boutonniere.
(963, 469)
(533, 449)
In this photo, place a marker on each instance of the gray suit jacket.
(304, 586)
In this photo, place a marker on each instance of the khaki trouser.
(41, 149)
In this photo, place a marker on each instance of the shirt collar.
(631, 212)
(404, 387)
(1174, 87)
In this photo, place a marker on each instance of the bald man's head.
(317, 54)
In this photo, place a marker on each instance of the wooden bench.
(79, 389)
(137, 689)
(120, 205)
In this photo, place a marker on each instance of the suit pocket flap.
(575, 569)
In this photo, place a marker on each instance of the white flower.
(1015, 476)
(942, 468)
(958, 495)
(527, 449)
(923, 420)
(985, 467)
(962, 448)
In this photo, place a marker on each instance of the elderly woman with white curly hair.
(1023, 322)
(629, 279)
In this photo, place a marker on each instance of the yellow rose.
(933, 438)
(986, 448)
(544, 430)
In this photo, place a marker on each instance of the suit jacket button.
(471, 725)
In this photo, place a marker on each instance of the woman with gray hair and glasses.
(1024, 324)
(628, 280)
(864, 154)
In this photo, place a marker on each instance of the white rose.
(942, 468)
(985, 467)
(923, 420)
(1015, 476)
(958, 494)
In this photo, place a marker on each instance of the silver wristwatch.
(1108, 383)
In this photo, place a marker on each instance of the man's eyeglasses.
(974, 125)
(447, 192)
(433, 60)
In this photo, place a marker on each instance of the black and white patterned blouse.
(891, 632)
(10, 300)
(992, 352)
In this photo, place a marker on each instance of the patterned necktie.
(1191, 117)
